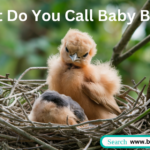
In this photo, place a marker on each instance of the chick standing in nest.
(57, 108)
(91, 85)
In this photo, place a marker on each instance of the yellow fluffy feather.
(93, 86)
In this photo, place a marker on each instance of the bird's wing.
(98, 94)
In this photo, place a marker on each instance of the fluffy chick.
(57, 108)
(91, 85)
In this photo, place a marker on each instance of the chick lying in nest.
(57, 108)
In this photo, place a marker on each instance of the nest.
(18, 132)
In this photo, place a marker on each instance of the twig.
(134, 86)
(27, 135)
(27, 100)
(132, 50)
(6, 84)
(148, 92)
(33, 147)
(8, 137)
(127, 34)
(6, 111)
(31, 68)
(88, 144)
(29, 92)
(93, 148)
(21, 81)
(25, 113)
(127, 124)
(136, 100)
(13, 103)
(133, 82)
(7, 146)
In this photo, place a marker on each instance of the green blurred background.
(29, 44)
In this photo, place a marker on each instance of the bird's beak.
(74, 57)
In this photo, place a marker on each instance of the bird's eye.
(78, 121)
(85, 55)
(67, 50)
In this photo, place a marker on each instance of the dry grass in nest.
(18, 132)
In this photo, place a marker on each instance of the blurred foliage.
(29, 43)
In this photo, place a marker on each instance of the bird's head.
(77, 48)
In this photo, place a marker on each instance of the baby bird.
(91, 85)
(57, 108)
